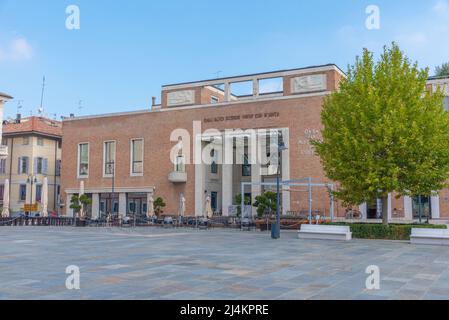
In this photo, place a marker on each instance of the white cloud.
(16, 50)
(441, 7)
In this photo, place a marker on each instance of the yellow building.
(34, 152)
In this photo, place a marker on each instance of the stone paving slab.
(151, 263)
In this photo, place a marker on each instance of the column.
(68, 210)
(389, 207)
(200, 185)
(95, 206)
(364, 211)
(256, 189)
(227, 95)
(286, 172)
(435, 207)
(122, 204)
(408, 209)
(255, 88)
(227, 174)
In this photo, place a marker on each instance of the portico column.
(435, 207)
(227, 174)
(122, 204)
(199, 178)
(389, 206)
(408, 208)
(95, 206)
(364, 210)
(286, 172)
(256, 188)
(68, 210)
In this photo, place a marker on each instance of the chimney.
(18, 118)
(72, 115)
(153, 101)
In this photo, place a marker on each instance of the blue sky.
(125, 50)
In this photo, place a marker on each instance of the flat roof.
(438, 78)
(256, 74)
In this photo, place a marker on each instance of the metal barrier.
(36, 221)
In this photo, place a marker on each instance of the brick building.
(125, 158)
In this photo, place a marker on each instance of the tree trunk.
(385, 220)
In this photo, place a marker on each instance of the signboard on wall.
(30, 207)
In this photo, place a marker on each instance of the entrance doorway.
(372, 211)
(426, 207)
(137, 205)
(108, 205)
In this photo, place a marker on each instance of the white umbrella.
(44, 197)
(150, 207)
(80, 194)
(182, 206)
(5, 212)
(209, 212)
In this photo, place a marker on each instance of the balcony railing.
(177, 177)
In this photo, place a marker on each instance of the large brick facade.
(297, 112)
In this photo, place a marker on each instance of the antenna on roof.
(80, 105)
(19, 105)
(41, 108)
(218, 74)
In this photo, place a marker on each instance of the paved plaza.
(156, 263)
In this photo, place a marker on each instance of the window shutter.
(35, 166)
(58, 168)
(26, 160)
(19, 167)
(45, 166)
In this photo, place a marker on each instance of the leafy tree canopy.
(383, 132)
(443, 70)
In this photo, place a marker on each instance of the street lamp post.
(276, 233)
(31, 180)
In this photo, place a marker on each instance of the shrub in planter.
(385, 232)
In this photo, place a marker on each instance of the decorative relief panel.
(317, 82)
(180, 98)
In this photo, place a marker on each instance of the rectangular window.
(4, 142)
(23, 192)
(180, 165)
(40, 165)
(214, 200)
(23, 165)
(25, 141)
(2, 189)
(246, 168)
(58, 168)
(214, 100)
(40, 142)
(137, 156)
(38, 193)
(83, 159)
(214, 166)
(109, 158)
(2, 166)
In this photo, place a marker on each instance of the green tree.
(238, 202)
(159, 205)
(266, 203)
(78, 203)
(443, 70)
(383, 132)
